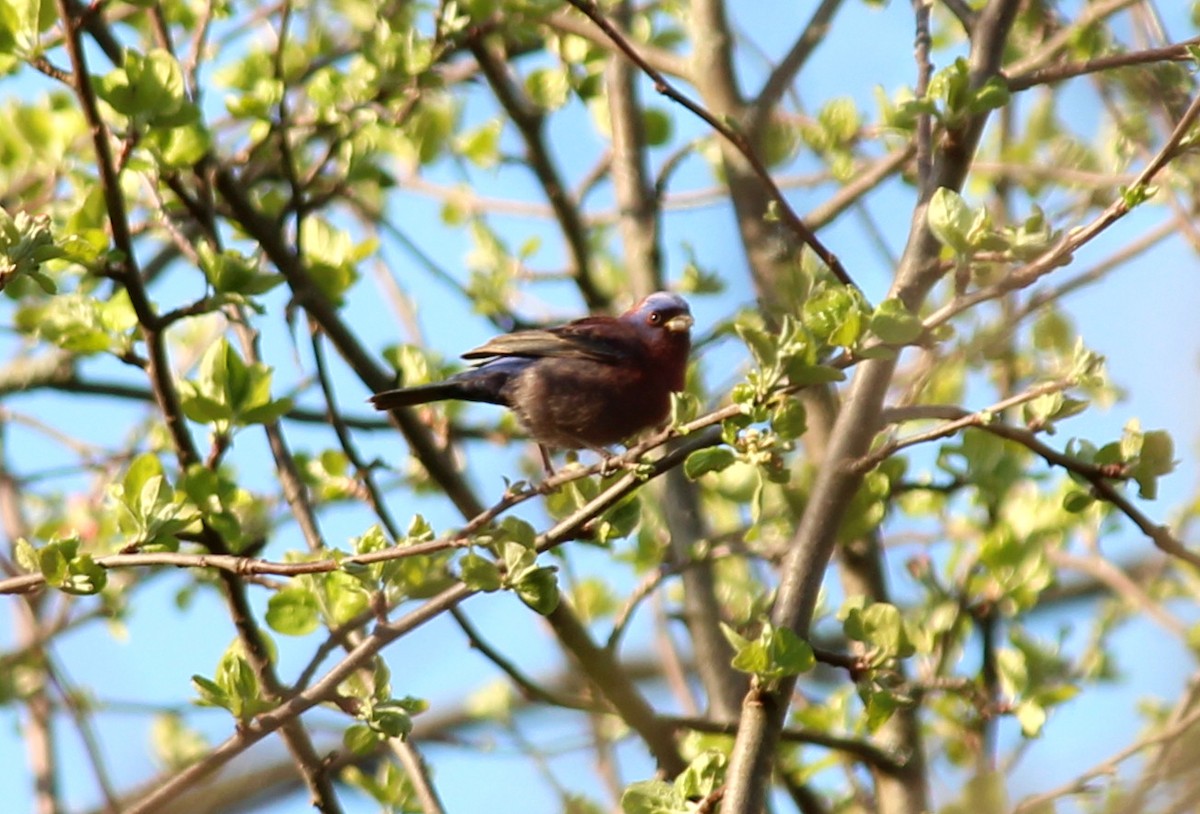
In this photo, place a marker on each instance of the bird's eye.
(655, 318)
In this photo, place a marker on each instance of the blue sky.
(1141, 318)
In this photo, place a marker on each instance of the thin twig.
(1020, 80)
(732, 135)
(1061, 252)
(1107, 767)
(961, 419)
(868, 753)
(783, 74)
(386, 632)
(1099, 477)
(529, 122)
(528, 687)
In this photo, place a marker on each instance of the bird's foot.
(610, 462)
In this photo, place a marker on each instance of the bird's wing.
(583, 339)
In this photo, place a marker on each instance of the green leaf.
(992, 94)
(228, 392)
(231, 272)
(179, 147)
(294, 611)
(372, 540)
(790, 419)
(762, 345)
(657, 126)
(519, 531)
(703, 776)
(895, 324)
(1158, 451)
(1149, 455)
(881, 705)
(332, 257)
(21, 21)
(175, 744)
(548, 88)
(538, 589)
(712, 459)
(69, 570)
(778, 144)
(777, 652)
(790, 654)
(83, 576)
(481, 146)
(345, 597)
(267, 410)
(1135, 196)
(360, 739)
(1032, 717)
(1076, 501)
(211, 693)
(654, 797)
(73, 322)
(26, 555)
(153, 512)
(26, 242)
(840, 120)
(593, 598)
(883, 627)
(480, 573)
(950, 220)
(142, 481)
(835, 316)
(391, 719)
(236, 679)
(620, 521)
(148, 88)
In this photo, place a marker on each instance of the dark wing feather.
(598, 339)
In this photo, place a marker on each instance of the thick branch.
(835, 484)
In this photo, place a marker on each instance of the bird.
(589, 383)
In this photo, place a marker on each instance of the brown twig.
(528, 121)
(1061, 252)
(957, 420)
(1036, 76)
(835, 483)
(527, 686)
(782, 75)
(1099, 477)
(613, 681)
(730, 133)
(867, 753)
(1109, 766)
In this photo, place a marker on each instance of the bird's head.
(662, 311)
(664, 322)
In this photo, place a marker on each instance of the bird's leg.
(608, 461)
(546, 464)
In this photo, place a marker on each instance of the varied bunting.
(588, 383)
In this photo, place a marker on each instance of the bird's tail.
(412, 396)
(484, 384)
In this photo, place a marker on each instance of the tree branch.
(783, 74)
(733, 136)
(528, 120)
(816, 535)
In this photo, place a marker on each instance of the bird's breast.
(574, 403)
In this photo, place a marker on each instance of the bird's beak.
(679, 323)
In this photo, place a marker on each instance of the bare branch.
(732, 135)
(782, 76)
